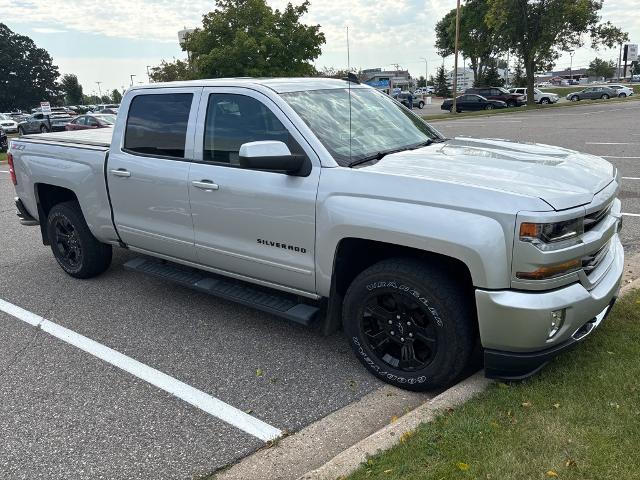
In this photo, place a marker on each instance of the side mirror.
(273, 156)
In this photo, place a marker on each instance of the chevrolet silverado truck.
(330, 204)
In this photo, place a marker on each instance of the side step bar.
(270, 301)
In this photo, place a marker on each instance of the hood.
(562, 178)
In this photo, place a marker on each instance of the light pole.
(131, 76)
(148, 76)
(99, 90)
(455, 59)
(571, 53)
(426, 70)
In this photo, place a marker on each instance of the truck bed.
(99, 137)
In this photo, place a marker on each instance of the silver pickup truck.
(327, 202)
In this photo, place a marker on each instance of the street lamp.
(455, 59)
(99, 90)
(131, 76)
(148, 76)
(426, 70)
(571, 53)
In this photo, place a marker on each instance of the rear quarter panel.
(79, 168)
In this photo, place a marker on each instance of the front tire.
(605, 97)
(73, 245)
(409, 324)
(622, 95)
(43, 129)
(511, 104)
(488, 107)
(421, 105)
(545, 101)
(575, 98)
(20, 131)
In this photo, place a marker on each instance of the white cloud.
(48, 30)
(380, 33)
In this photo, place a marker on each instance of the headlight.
(552, 236)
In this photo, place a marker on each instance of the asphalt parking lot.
(66, 414)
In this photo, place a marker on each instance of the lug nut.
(390, 322)
(392, 332)
(411, 335)
(409, 323)
(398, 317)
(402, 339)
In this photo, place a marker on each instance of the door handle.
(121, 172)
(206, 185)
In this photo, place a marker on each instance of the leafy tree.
(519, 78)
(422, 82)
(601, 68)
(71, 89)
(332, 72)
(172, 71)
(116, 96)
(635, 68)
(431, 82)
(441, 86)
(477, 41)
(538, 30)
(249, 38)
(27, 73)
(491, 77)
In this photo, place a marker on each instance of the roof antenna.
(349, 74)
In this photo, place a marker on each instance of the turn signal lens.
(550, 271)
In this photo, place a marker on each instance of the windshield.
(108, 119)
(378, 124)
(4, 117)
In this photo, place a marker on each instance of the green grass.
(3, 157)
(508, 111)
(578, 419)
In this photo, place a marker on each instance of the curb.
(350, 459)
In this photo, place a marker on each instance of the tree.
(27, 73)
(431, 82)
(441, 86)
(519, 79)
(538, 30)
(422, 82)
(601, 68)
(249, 38)
(116, 96)
(172, 71)
(635, 68)
(477, 41)
(71, 89)
(491, 77)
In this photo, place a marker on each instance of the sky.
(109, 41)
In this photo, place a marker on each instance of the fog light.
(557, 320)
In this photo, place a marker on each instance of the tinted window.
(157, 124)
(236, 119)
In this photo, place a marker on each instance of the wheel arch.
(47, 196)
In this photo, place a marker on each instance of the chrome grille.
(591, 262)
(593, 219)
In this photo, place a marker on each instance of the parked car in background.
(545, 84)
(622, 90)
(17, 116)
(8, 124)
(3, 141)
(428, 90)
(592, 93)
(469, 102)
(39, 123)
(498, 93)
(403, 98)
(539, 96)
(87, 122)
(109, 108)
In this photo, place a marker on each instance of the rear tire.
(421, 105)
(575, 98)
(545, 101)
(20, 131)
(410, 324)
(511, 104)
(73, 245)
(488, 107)
(622, 95)
(43, 129)
(605, 97)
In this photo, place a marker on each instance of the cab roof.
(279, 85)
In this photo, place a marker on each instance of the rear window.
(157, 124)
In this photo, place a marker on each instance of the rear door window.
(157, 124)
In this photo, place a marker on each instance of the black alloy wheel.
(605, 97)
(399, 331)
(488, 107)
(67, 243)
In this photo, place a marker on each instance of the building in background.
(465, 78)
(388, 80)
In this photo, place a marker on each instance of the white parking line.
(611, 143)
(4, 171)
(631, 178)
(631, 214)
(611, 156)
(193, 396)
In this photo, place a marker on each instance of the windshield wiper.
(382, 154)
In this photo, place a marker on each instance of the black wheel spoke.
(408, 356)
(377, 312)
(422, 334)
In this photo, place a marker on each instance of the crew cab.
(328, 202)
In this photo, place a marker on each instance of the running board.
(276, 303)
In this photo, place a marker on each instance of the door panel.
(255, 223)
(148, 175)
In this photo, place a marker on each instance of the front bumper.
(514, 325)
